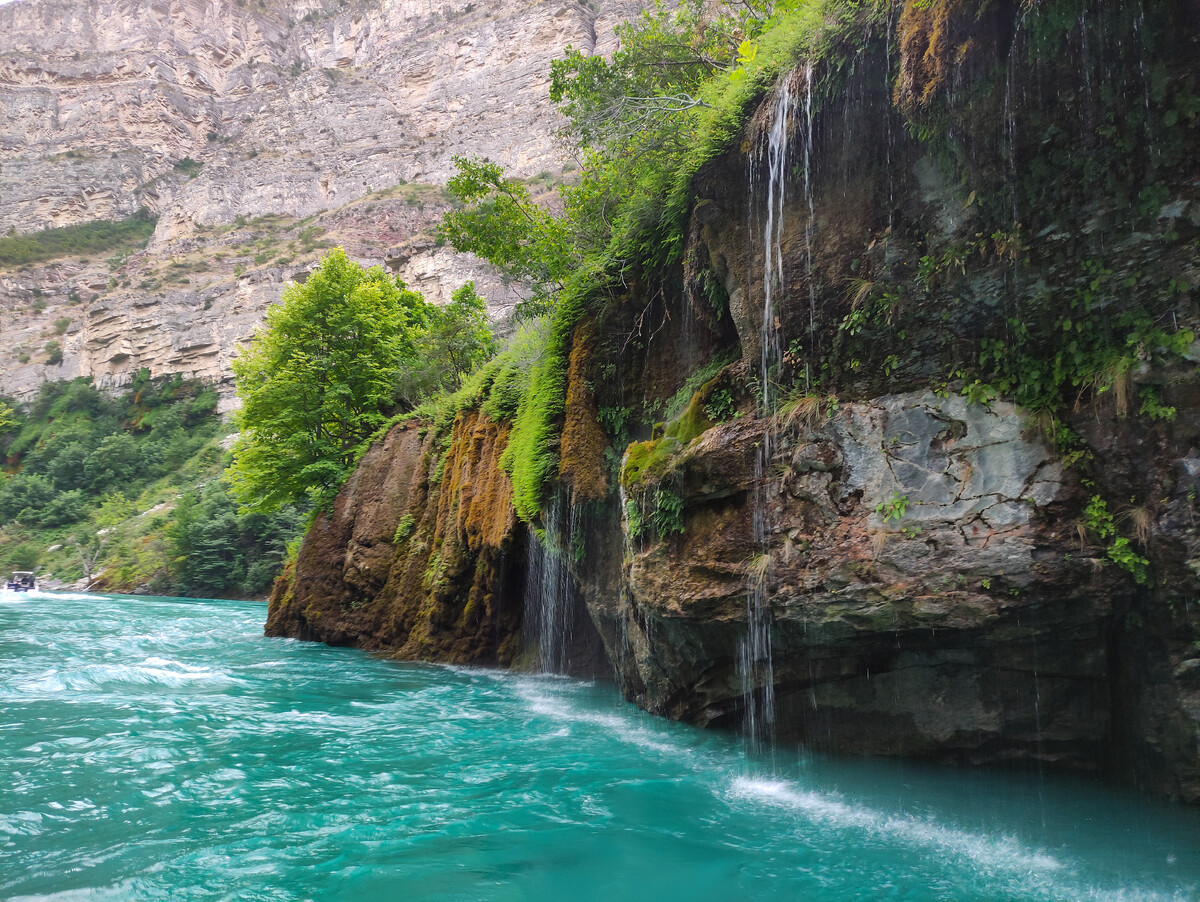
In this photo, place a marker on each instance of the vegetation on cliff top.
(99, 237)
(676, 94)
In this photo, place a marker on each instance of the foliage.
(893, 508)
(675, 95)
(101, 236)
(75, 443)
(215, 548)
(1053, 353)
(318, 380)
(456, 340)
(721, 405)
(189, 167)
(503, 225)
(97, 482)
(404, 529)
(668, 513)
(531, 457)
(1098, 520)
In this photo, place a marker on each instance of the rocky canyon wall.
(941, 501)
(257, 134)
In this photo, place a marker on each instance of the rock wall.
(340, 118)
(414, 556)
(883, 554)
(422, 556)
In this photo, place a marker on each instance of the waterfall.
(549, 587)
(812, 218)
(771, 352)
(756, 672)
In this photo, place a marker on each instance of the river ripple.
(162, 749)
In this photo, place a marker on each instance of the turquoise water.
(162, 749)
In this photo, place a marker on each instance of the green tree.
(531, 247)
(318, 379)
(24, 494)
(116, 460)
(457, 339)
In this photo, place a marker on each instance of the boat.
(21, 581)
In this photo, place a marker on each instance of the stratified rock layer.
(341, 118)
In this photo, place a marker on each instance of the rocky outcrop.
(422, 556)
(855, 538)
(416, 555)
(927, 590)
(337, 118)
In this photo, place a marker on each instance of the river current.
(160, 749)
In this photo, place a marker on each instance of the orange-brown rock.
(412, 557)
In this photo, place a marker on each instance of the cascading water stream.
(549, 588)
(755, 665)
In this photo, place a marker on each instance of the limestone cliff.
(851, 535)
(257, 133)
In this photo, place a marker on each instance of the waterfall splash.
(549, 588)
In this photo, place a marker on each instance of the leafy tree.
(24, 492)
(318, 379)
(217, 550)
(114, 461)
(63, 508)
(66, 467)
(19, 555)
(530, 246)
(457, 339)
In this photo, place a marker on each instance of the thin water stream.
(163, 749)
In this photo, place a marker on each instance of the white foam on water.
(151, 672)
(613, 724)
(1037, 872)
(43, 595)
(988, 852)
(175, 666)
(120, 891)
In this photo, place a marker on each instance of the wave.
(992, 851)
(617, 725)
(9, 597)
(151, 672)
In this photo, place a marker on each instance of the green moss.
(531, 458)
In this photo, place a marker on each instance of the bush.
(63, 508)
(23, 492)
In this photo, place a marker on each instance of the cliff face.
(851, 536)
(315, 123)
(423, 556)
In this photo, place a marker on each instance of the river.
(158, 748)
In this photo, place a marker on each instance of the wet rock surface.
(917, 552)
